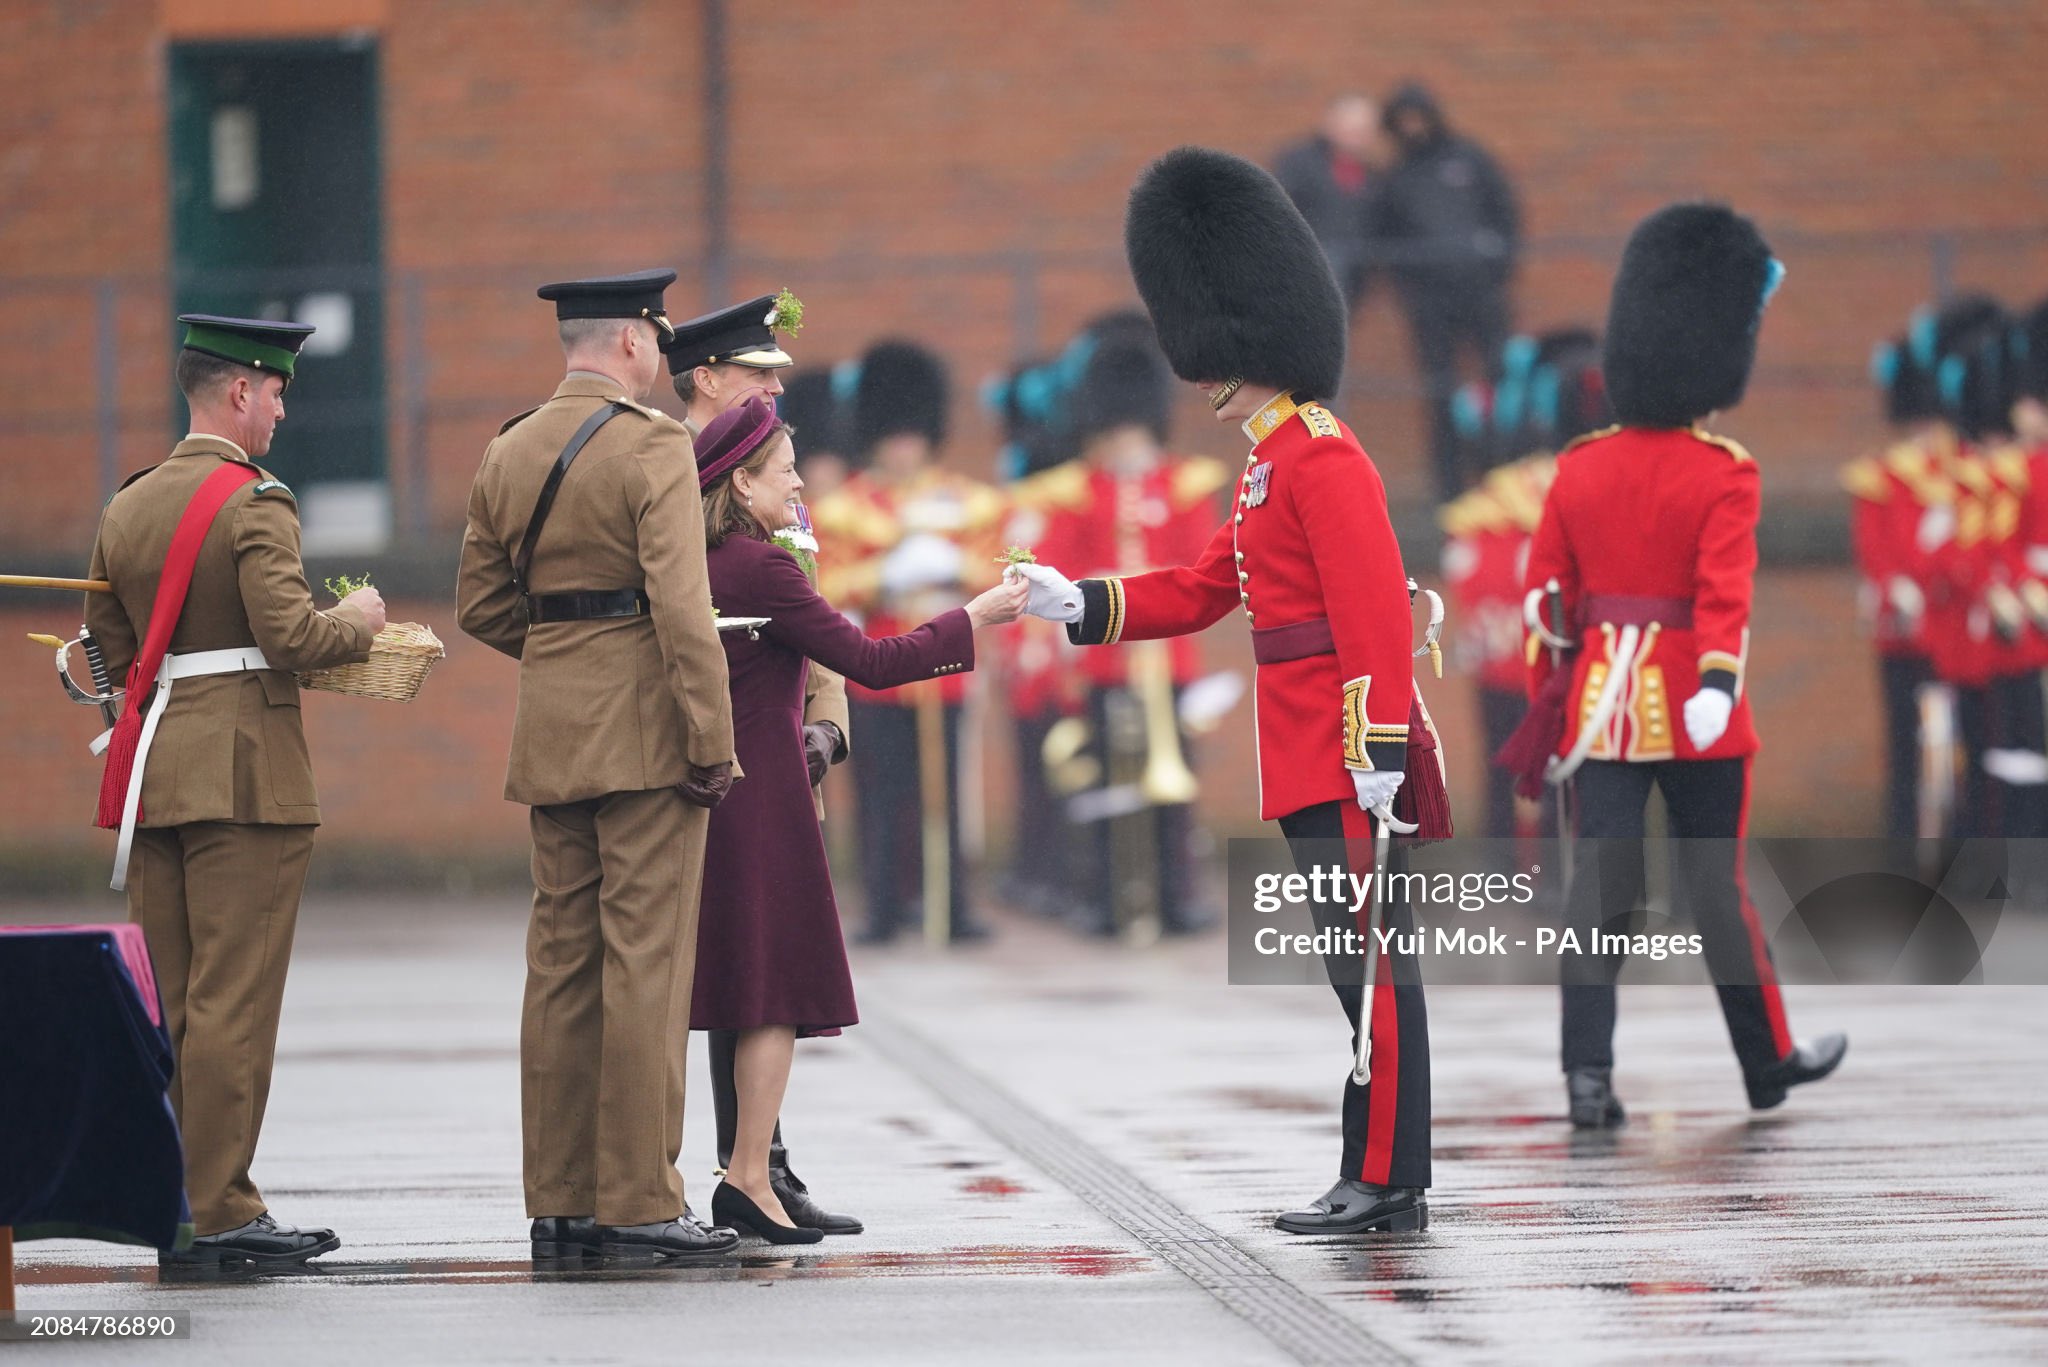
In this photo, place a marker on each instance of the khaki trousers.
(611, 955)
(218, 903)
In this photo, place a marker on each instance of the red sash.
(163, 620)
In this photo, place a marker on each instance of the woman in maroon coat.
(771, 962)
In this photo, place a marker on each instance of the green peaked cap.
(263, 343)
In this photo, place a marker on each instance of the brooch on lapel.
(1257, 484)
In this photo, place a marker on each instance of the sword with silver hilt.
(1387, 825)
(1543, 614)
(103, 694)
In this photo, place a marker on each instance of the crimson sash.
(179, 563)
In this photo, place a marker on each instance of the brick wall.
(899, 165)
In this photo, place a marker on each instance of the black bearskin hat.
(1975, 377)
(1682, 325)
(1026, 400)
(808, 404)
(2029, 348)
(902, 389)
(1126, 383)
(1907, 385)
(1232, 276)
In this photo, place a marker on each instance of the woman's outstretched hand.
(1003, 603)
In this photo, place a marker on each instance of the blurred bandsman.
(1246, 308)
(583, 559)
(910, 538)
(1551, 393)
(1046, 875)
(1890, 492)
(209, 620)
(1125, 507)
(1648, 548)
(716, 362)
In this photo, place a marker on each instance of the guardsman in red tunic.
(1245, 307)
(1649, 533)
(910, 539)
(1890, 492)
(1126, 506)
(1036, 669)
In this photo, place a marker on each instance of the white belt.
(191, 665)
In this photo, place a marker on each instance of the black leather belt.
(585, 604)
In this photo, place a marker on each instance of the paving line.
(1298, 1323)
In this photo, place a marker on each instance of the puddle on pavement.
(975, 1260)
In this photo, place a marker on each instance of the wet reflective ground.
(1897, 1212)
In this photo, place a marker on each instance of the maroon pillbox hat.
(729, 439)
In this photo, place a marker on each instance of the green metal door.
(277, 213)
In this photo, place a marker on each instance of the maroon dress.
(769, 949)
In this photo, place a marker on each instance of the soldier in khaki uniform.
(224, 829)
(593, 579)
(715, 363)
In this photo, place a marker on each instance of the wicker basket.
(399, 660)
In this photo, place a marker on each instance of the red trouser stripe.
(1385, 1085)
(1760, 950)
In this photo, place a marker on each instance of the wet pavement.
(1072, 1151)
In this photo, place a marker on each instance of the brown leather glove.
(707, 785)
(823, 746)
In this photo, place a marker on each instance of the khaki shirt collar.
(588, 384)
(207, 444)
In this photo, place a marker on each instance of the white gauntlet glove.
(1376, 787)
(1054, 597)
(1706, 716)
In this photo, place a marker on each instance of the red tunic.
(1651, 532)
(1486, 547)
(1099, 524)
(1308, 543)
(866, 518)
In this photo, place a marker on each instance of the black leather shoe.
(1354, 1207)
(262, 1245)
(731, 1206)
(683, 1237)
(797, 1203)
(564, 1241)
(1594, 1104)
(1806, 1063)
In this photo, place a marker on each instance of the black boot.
(564, 1242)
(796, 1200)
(1594, 1104)
(263, 1245)
(679, 1238)
(1806, 1063)
(1354, 1207)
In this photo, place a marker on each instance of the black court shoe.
(564, 1241)
(1806, 1063)
(263, 1245)
(1594, 1104)
(683, 1237)
(731, 1206)
(798, 1205)
(1354, 1207)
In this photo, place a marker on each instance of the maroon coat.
(769, 950)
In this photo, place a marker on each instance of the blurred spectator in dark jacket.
(1443, 223)
(1327, 178)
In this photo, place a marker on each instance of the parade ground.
(1071, 1151)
